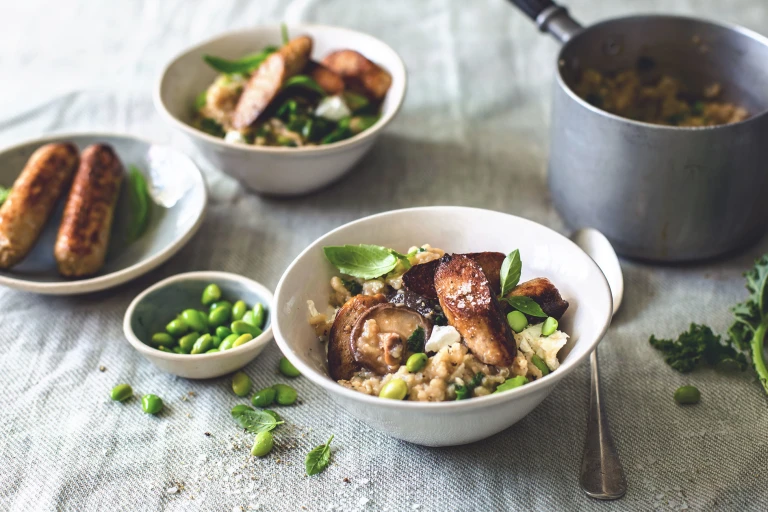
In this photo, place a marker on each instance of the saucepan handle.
(550, 17)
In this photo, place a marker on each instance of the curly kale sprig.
(696, 346)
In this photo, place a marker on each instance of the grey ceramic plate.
(179, 199)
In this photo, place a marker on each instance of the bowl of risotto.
(440, 325)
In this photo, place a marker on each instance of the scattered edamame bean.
(241, 384)
(284, 394)
(163, 349)
(514, 382)
(177, 327)
(416, 362)
(163, 338)
(517, 321)
(216, 341)
(549, 327)
(202, 344)
(540, 364)
(227, 342)
(188, 341)
(259, 313)
(219, 316)
(211, 294)
(177, 350)
(242, 340)
(219, 303)
(395, 389)
(687, 395)
(193, 320)
(121, 392)
(262, 444)
(264, 397)
(151, 404)
(211, 351)
(241, 327)
(250, 318)
(287, 369)
(238, 310)
(240, 408)
(222, 332)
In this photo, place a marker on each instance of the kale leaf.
(416, 340)
(465, 391)
(695, 346)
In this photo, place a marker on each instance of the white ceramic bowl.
(178, 205)
(275, 170)
(544, 253)
(153, 308)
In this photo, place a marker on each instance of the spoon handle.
(602, 476)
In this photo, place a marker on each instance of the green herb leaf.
(525, 305)
(416, 340)
(140, 203)
(341, 132)
(211, 127)
(284, 33)
(201, 100)
(4, 193)
(465, 391)
(363, 261)
(359, 124)
(305, 82)
(256, 421)
(354, 101)
(352, 286)
(511, 268)
(244, 65)
(697, 345)
(512, 383)
(318, 459)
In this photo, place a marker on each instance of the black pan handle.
(550, 17)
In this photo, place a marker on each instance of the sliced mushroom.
(341, 362)
(543, 293)
(469, 302)
(421, 278)
(428, 308)
(379, 337)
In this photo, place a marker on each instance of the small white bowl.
(153, 308)
(275, 170)
(544, 252)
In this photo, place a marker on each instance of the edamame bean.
(263, 444)
(396, 389)
(549, 327)
(250, 318)
(202, 344)
(517, 321)
(241, 327)
(222, 332)
(242, 340)
(163, 349)
(514, 382)
(121, 392)
(687, 395)
(219, 303)
(241, 384)
(540, 364)
(194, 320)
(227, 342)
(151, 404)
(188, 341)
(215, 341)
(416, 362)
(263, 397)
(177, 327)
(287, 369)
(238, 310)
(211, 351)
(177, 350)
(284, 394)
(211, 294)
(219, 316)
(203, 315)
(163, 338)
(273, 414)
(236, 410)
(259, 314)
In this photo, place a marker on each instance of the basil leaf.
(256, 421)
(244, 65)
(526, 305)
(510, 272)
(465, 391)
(416, 340)
(305, 82)
(318, 459)
(363, 261)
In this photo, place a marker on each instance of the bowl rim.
(538, 385)
(102, 282)
(279, 150)
(211, 276)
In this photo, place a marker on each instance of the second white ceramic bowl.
(275, 170)
(544, 252)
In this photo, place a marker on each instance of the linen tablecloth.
(473, 131)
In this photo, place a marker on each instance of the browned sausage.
(23, 215)
(359, 72)
(331, 82)
(84, 232)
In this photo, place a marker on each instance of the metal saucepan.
(662, 193)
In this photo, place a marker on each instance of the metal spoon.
(602, 476)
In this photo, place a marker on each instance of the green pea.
(259, 315)
(222, 332)
(241, 327)
(395, 389)
(517, 321)
(227, 342)
(549, 327)
(177, 327)
(514, 382)
(264, 397)
(121, 392)
(212, 351)
(177, 350)
(219, 316)
(686, 395)
(242, 340)
(216, 341)
(241, 384)
(202, 344)
(211, 294)
(219, 303)
(151, 404)
(163, 338)
(416, 362)
(250, 318)
(187, 342)
(540, 364)
(287, 369)
(203, 318)
(194, 320)
(236, 410)
(163, 349)
(284, 394)
(238, 310)
(263, 444)
(273, 414)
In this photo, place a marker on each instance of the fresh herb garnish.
(305, 82)
(318, 459)
(211, 127)
(416, 340)
(352, 286)
(243, 65)
(749, 328)
(256, 421)
(511, 268)
(440, 319)
(465, 391)
(695, 346)
(4, 193)
(525, 305)
(363, 261)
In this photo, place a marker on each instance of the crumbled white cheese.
(530, 342)
(235, 137)
(442, 336)
(333, 108)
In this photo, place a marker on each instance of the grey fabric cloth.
(473, 131)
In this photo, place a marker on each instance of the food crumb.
(415, 506)
(346, 480)
(102, 368)
(208, 434)
(191, 393)
(172, 490)
(363, 501)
